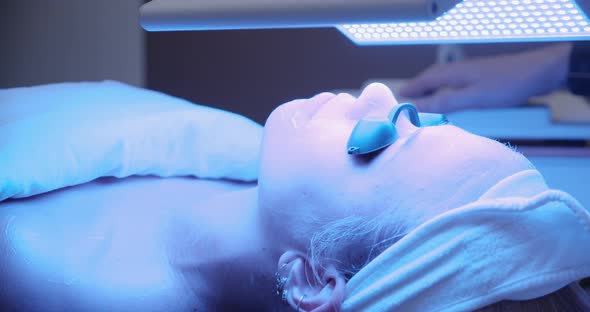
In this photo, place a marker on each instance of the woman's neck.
(219, 249)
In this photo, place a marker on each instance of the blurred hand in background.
(491, 82)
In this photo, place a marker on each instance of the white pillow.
(65, 134)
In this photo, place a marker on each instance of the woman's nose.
(378, 101)
(375, 100)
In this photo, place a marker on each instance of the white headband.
(519, 241)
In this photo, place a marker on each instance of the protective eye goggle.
(375, 133)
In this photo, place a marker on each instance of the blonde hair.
(352, 242)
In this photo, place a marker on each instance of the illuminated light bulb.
(482, 20)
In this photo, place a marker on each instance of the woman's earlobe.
(330, 293)
(300, 289)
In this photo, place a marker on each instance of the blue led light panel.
(483, 21)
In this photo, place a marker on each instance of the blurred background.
(247, 72)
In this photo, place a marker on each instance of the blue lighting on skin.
(475, 21)
(118, 254)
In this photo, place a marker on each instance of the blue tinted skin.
(372, 134)
(104, 246)
(71, 254)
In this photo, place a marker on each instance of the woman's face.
(307, 178)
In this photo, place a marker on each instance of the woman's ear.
(303, 292)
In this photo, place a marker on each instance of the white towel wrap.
(519, 241)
